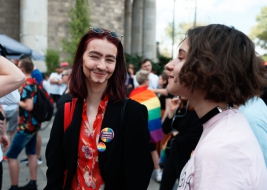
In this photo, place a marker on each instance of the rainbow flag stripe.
(151, 101)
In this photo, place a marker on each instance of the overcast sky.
(238, 13)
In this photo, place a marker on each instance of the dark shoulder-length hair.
(222, 62)
(116, 83)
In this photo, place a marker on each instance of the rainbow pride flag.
(148, 98)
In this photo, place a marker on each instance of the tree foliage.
(52, 60)
(259, 31)
(79, 24)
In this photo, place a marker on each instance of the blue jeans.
(20, 141)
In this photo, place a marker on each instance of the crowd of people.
(111, 120)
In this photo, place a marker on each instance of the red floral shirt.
(88, 175)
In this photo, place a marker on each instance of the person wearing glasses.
(185, 128)
(217, 70)
(66, 97)
(105, 145)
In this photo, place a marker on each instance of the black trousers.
(171, 173)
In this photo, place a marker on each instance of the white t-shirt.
(11, 98)
(227, 156)
(55, 88)
(153, 81)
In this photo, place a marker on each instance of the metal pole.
(173, 28)
(195, 19)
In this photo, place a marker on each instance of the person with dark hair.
(217, 68)
(105, 143)
(25, 137)
(153, 78)
(184, 126)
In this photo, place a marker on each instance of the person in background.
(37, 75)
(153, 78)
(162, 91)
(57, 86)
(148, 98)
(214, 77)
(185, 128)
(99, 147)
(46, 83)
(129, 79)
(66, 97)
(7, 100)
(255, 111)
(11, 114)
(25, 137)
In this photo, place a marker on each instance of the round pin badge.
(101, 147)
(107, 134)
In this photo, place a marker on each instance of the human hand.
(5, 141)
(175, 103)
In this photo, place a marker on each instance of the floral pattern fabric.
(88, 175)
(27, 122)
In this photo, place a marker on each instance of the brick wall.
(10, 18)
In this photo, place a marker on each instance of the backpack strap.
(68, 112)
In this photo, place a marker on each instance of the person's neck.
(95, 92)
(28, 75)
(203, 106)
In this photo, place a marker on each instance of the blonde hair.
(142, 76)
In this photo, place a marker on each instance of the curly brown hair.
(222, 62)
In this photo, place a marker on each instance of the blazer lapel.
(110, 120)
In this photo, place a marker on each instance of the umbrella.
(15, 49)
(37, 56)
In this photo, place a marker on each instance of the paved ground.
(41, 181)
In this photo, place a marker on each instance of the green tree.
(259, 31)
(79, 24)
(52, 60)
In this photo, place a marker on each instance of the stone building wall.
(58, 22)
(106, 14)
(10, 18)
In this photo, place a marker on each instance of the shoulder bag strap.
(68, 112)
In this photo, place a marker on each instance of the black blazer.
(125, 164)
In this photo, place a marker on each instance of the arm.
(27, 104)
(162, 91)
(55, 155)
(3, 136)
(11, 98)
(138, 163)
(11, 77)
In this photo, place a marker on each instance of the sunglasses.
(111, 33)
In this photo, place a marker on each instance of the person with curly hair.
(217, 69)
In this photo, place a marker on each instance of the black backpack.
(43, 108)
